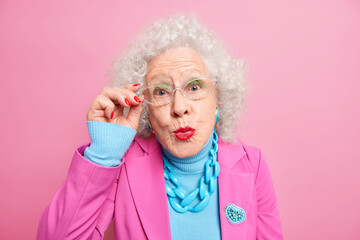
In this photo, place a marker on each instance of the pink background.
(303, 60)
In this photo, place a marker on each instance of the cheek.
(207, 109)
(159, 118)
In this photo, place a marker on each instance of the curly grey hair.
(185, 31)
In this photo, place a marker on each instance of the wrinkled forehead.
(175, 79)
(175, 65)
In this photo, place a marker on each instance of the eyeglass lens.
(193, 88)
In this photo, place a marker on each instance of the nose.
(180, 105)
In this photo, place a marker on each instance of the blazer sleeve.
(268, 218)
(83, 206)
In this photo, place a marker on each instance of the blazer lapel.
(147, 183)
(234, 188)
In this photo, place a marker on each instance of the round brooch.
(234, 214)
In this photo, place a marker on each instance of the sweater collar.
(193, 164)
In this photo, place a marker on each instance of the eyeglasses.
(194, 89)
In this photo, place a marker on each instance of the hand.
(115, 100)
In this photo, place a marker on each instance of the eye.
(160, 92)
(194, 87)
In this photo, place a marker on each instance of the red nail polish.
(137, 99)
(112, 115)
(137, 84)
(127, 102)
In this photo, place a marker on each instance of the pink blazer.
(134, 195)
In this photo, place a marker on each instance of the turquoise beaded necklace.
(176, 197)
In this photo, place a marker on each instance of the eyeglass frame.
(214, 81)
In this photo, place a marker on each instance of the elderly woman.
(163, 159)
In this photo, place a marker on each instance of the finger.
(134, 115)
(106, 105)
(133, 87)
(142, 98)
(129, 95)
(135, 112)
(118, 95)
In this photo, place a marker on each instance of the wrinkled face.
(183, 126)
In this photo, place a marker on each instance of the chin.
(183, 155)
(185, 150)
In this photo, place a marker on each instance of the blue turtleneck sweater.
(110, 141)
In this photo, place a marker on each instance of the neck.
(193, 164)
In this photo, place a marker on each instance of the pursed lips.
(184, 133)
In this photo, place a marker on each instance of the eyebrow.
(194, 80)
(160, 86)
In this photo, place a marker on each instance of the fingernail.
(137, 99)
(137, 84)
(112, 114)
(127, 102)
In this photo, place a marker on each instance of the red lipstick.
(184, 133)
